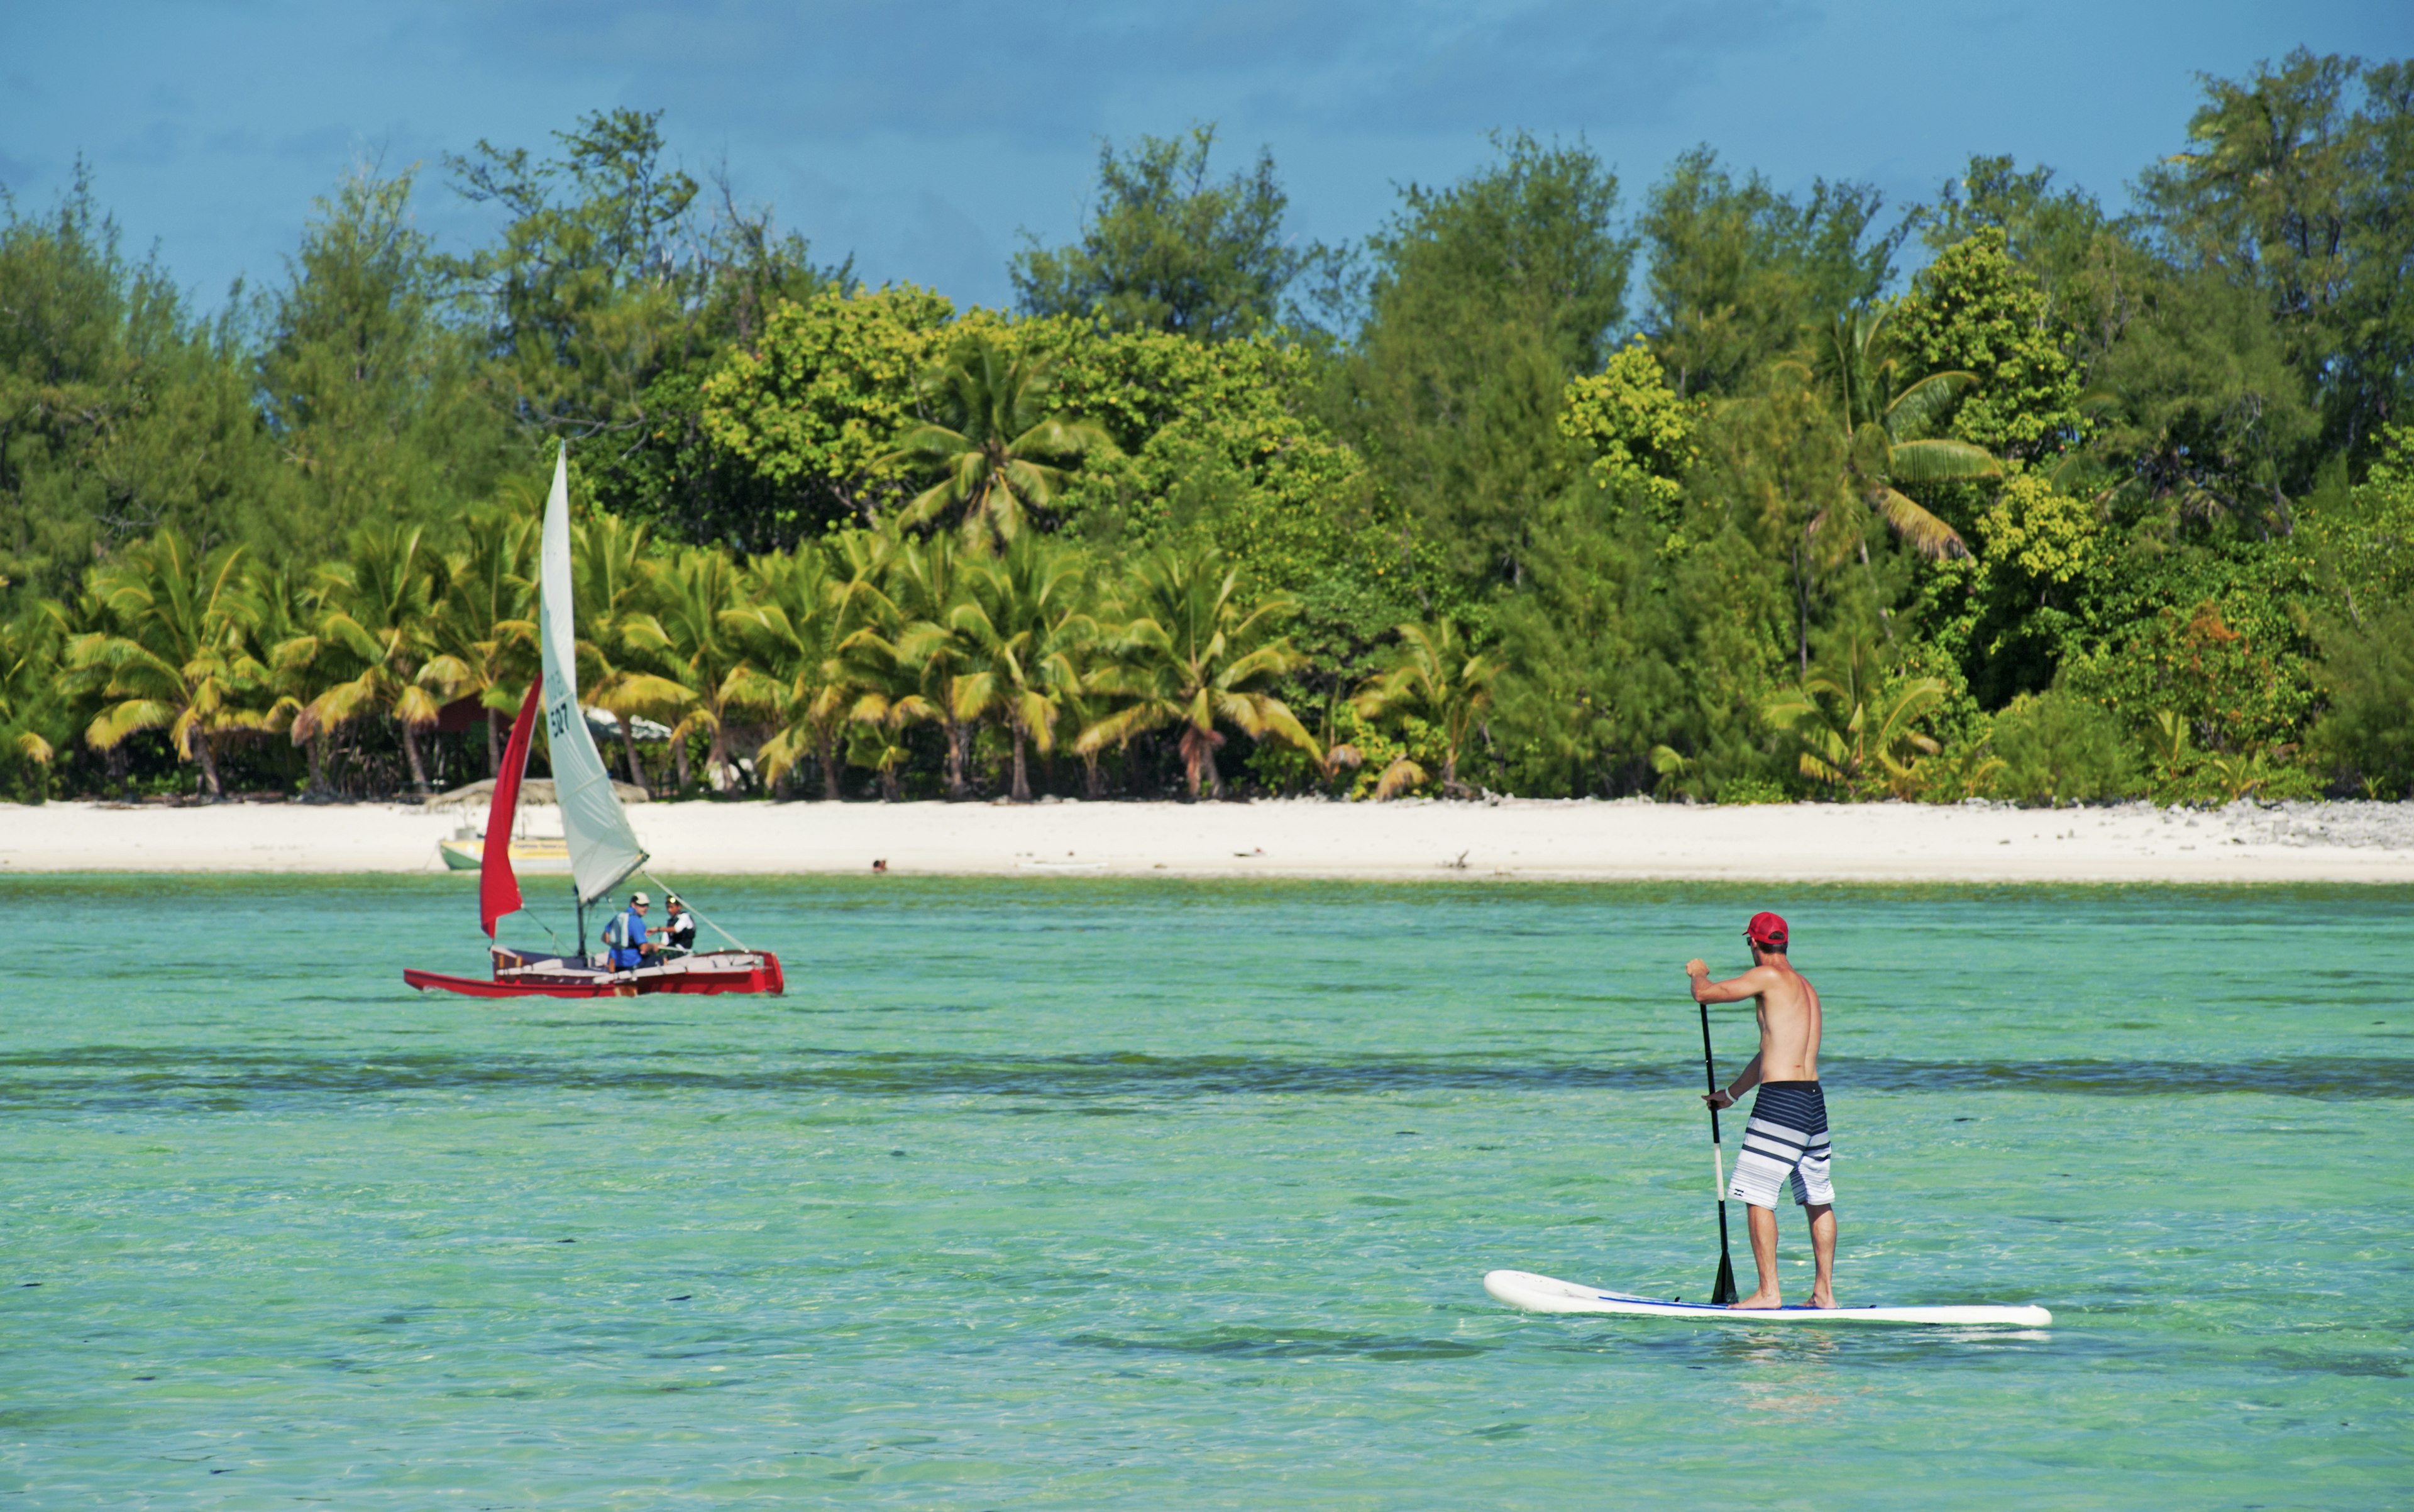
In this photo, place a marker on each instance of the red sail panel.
(499, 890)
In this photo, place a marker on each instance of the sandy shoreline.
(1534, 838)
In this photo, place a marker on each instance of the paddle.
(1724, 1290)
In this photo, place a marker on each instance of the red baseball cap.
(1765, 929)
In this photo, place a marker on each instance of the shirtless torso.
(1787, 1007)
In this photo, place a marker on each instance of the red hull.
(695, 974)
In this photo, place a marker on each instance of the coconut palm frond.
(1434, 675)
(1788, 707)
(643, 694)
(1274, 718)
(998, 448)
(1400, 776)
(1931, 536)
(1940, 461)
(126, 717)
(1118, 727)
(1915, 412)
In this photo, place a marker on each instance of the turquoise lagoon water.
(1068, 1194)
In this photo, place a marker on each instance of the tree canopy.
(1168, 248)
(1720, 490)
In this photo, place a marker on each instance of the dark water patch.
(110, 1077)
(895, 1007)
(2384, 1366)
(1254, 1343)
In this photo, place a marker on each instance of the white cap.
(640, 900)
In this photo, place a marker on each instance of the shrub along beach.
(1528, 494)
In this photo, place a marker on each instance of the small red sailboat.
(604, 850)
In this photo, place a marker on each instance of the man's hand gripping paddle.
(1723, 1292)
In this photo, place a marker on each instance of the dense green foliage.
(1165, 250)
(1743, 497)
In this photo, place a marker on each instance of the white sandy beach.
(1533, 839)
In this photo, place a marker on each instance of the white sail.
(604, 850)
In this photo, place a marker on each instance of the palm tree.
(376, 632)
(30, 685)
(487, 619)
(1084, 705)
(30, 658)
(1340, 756)
(1436, 676)
(883, 667)
(884, 695)
(177, 655)
(1000, 448)
(1857, 727)
(609, 557)
(78, 689)
(880, 744)
(693, 628)
(909, 638)
(795, 616)
(1192, 658)
(1085, 700)
(1021, 622)
(283, 607)
(2169, 745)
(1679, 773)
(1888, 424)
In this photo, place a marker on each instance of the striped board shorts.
(1785, 1140)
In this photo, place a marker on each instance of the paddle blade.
(1724, 1293)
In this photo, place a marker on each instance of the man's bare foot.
(1757, 1302)
(1820, 1298)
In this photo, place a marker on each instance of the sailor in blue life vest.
(626, 934)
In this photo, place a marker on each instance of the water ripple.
(112, 1076)
(1285, 1344)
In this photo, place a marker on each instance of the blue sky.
(922, 139)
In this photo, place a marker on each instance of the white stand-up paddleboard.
(1540, 1293)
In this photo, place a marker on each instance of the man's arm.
(1729, 1095)
(1751, 985)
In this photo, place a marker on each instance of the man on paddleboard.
(1786, 1140)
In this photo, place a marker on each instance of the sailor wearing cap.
(625, 936)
